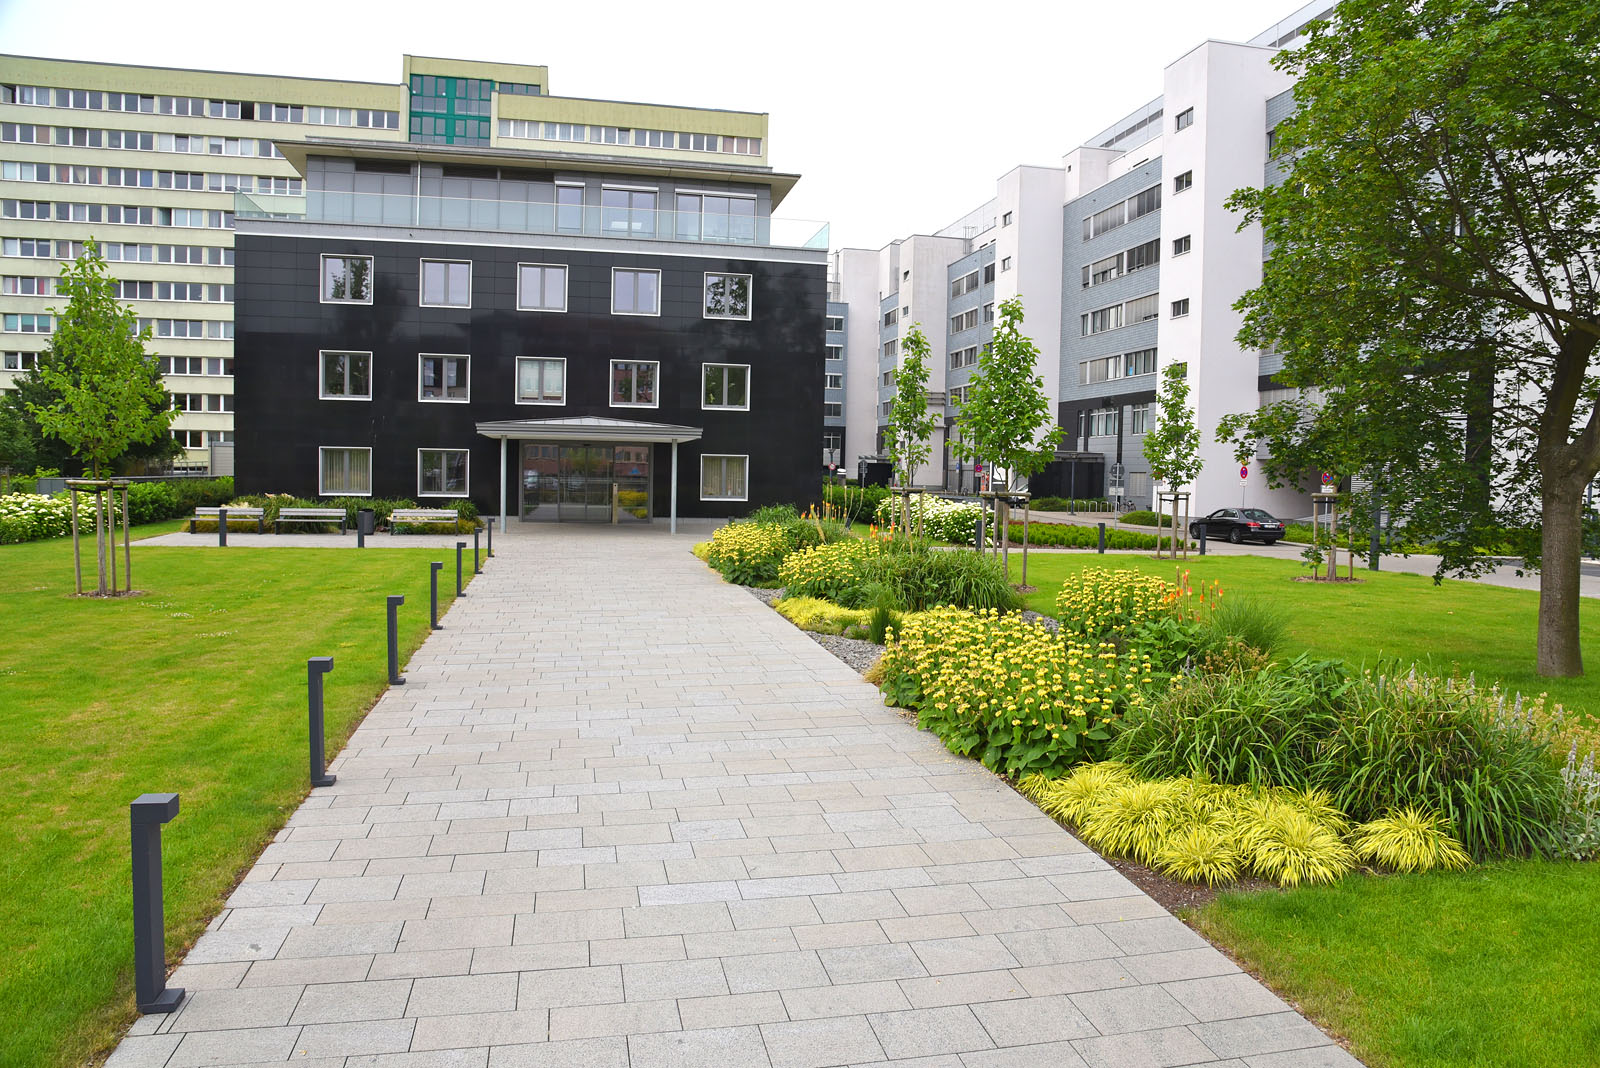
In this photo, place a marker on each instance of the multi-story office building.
(1127, 260)
(150, 162)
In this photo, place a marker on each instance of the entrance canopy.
(589, 430)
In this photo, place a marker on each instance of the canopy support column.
(502, 485)
(673, 525)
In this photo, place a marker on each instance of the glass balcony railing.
(524, 217)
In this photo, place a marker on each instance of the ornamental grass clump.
(1408, 840)
(748, 553)
(819, 616)
(1006, 690)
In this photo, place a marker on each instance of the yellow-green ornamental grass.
(823, 617)
(1006, 690)
(1202, 832)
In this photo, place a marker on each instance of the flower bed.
(32, 516)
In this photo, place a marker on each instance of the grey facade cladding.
(836, 339)
(886, 332)
(978, 298)
(1076, 300)
(1279, 107)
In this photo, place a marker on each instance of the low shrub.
(832, 571)
(1075, 536)
(914, 578)
(749, 553)
(1069, 504)
(933, 517)
(852, 504)
(823, 617)
(1006, 690)
(33, 516)
(1141, 517)
(1374, 741)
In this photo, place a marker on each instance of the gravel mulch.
(856, 652)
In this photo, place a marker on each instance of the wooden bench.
(421, 515)
(309, 515)
(209, 515)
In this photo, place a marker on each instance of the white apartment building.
(1127, 261)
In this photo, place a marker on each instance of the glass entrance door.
(585, 483)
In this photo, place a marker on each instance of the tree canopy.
(1432, 281)
(911, 424)
(1003, 418)
(1172, 443)
(99, 392)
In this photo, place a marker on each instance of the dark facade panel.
(282, 325)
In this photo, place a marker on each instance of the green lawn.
(1464, 625)
(195, 687)
(1494, 967)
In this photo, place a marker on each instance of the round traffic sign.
(1244, 472)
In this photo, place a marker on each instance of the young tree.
(1172, 444)
(1007, 410)
(911, 424)
(105, 392)
(1435, 253)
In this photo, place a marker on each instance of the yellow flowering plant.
(1007, 690)
(827, 571)
(748, 553)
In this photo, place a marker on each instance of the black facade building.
(552, 343)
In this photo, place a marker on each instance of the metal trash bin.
(366, 521)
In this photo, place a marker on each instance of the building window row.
(116, 214)
(27, 323)
(967, 283)
(18, 361)
(966, 320)
(146, 178)
(1137, 206)
(1125, 365)
(207, 366)
(1138, 310)
(199, 439)
(214, 329)
(540, 287)
(196, 107)
(193, 292)
(28, 285)
(444, 377)
(535, 130)
(958, 395)
(202, 402)
(964, 357)
(1118, 264)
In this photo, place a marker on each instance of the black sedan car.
(1239, 524)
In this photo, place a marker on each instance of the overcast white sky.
(898, 116)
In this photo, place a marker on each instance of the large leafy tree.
(1434, 274)
(101, 392)
(1006, 413)
(911, 424)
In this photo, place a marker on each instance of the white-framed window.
(446, 283)
(1139, 419)
(891, 317)
(1182, 181)
(832, 410)
(347, 279)
(345, 375)
(724, 478)
(1180, 308)
(344, 472)
(444, 377)
(1005, 220)
(833, 352)
(1143, 309)
(727, 296)
(541, 380)
(569, 208)
(542, 287)
(635, 292)
(1103, 422)
(964, 321)
(988, 312)
(988, 273)
(442, 472)
(1101, 319)
(1005, 263)
(725, 385)
(831, 381)
(18, 361)
(1181, 245)
(964, 285)
(628, 210)
(891, 348)
(633, 383)
(834, 322)
(1184, 119)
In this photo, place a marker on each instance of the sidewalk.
(623, 814)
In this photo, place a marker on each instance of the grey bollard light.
(1202, 539)
(146, 815)
(433, 595)
(461, 547)
(222, 528)
(395, 601)
(361, 534)
(316, 667)
(1102, 537)
(477, 568)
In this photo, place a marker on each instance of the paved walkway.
(625, 815)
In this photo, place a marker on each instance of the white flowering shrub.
(940, 519)
(32, 516)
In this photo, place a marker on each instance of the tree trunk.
(1561, 546)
